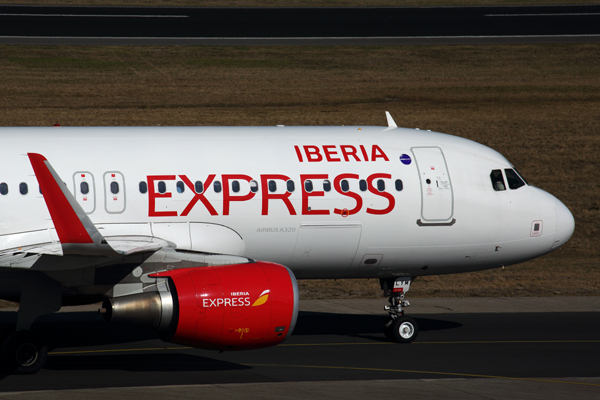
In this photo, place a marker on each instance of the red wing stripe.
(68, 224)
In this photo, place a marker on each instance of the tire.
(405, 329)
(23, 353)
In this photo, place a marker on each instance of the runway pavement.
(467, 348)
(298, 26)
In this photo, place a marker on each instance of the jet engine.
(229, 307)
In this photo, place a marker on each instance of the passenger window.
(290, 186)
(513, 179)
(23, 188)
(217, 187)
(162, 187)
(253, 186)
(272, 186)
(143, 187)
(180, 187)
(399, 185)
(380, 185)
(3, 189)
(199, 187)
(497, 180)
(114, 187)
(326, 185)
(84, 187)
(235, 186)
(362, 184)
(308, 186)
(345, 186)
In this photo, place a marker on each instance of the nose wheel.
(401, 330)
(398, 328)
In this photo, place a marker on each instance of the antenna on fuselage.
(390, 120)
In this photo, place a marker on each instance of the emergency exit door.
(114, 192)
(437, 198)
(85, 191)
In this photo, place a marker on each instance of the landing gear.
(23, 352)
(397, 327)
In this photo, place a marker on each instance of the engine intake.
(230, 307)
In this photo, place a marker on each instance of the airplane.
(201, 232)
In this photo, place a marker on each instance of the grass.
(291, 3)
(539, 105)
(547, 276)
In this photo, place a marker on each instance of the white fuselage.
(457, 222)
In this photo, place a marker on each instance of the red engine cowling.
(230, 307)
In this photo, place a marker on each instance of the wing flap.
(128, 246)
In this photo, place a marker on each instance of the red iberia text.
(339, 153)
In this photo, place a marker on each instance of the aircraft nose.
(565, 225)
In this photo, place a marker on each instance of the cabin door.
(85, 191)
(437, 198)
(114, 192)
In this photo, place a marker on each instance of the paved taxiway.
(467, 348)
(298, 26)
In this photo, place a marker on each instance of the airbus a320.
(201, 232)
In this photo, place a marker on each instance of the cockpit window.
(521, 176)
(513, 179)
(497, 180)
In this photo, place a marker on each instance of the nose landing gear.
(397, 327)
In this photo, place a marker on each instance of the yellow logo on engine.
(241, 331)
(262, 299)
